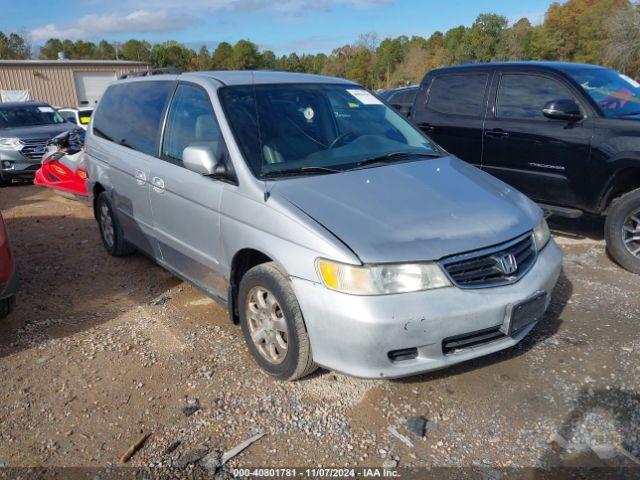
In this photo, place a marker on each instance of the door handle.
(497, 133)
(426, 127)
(141, 177)
(158, 184)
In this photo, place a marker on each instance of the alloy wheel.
(267, 325)
(631, 233)
(106, 225)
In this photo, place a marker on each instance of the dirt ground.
(100, 350)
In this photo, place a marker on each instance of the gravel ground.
(101, 350)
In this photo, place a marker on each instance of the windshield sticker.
(353, 105)
(45, 109)
(630, 80)
(309, 113)
(365, 97)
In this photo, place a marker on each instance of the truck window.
(458, 94)
(524, 96)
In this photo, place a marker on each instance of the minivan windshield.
(28, 116)
(317, 128)
(617, 94)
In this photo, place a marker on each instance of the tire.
(4, 182)
(6, 307)
(623, 218)
(297, 360)
(110, 229)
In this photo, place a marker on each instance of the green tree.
(50, 49)
(14, 47)
(485, 36)
(203, 60)
(245, 55)
(171, 54)
(135, 50)
(222, 57)
(105, 51)
(268, 60)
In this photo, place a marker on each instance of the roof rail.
(151, 71)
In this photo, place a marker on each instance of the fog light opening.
(403, 355)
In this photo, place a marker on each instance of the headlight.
(11, 143)
(542, 234)
(381, 279)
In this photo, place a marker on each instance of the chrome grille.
(34, 147)
(492, 267)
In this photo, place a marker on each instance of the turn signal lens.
(81, 174)
(542, 234)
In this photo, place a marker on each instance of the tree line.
(605, 32)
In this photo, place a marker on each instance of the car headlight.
(381, 279)
(542, 234)
(11, 143)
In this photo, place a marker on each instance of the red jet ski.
(63, 166)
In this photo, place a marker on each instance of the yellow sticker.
(84, 120)
(353, 105)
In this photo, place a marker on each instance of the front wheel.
(272, 324)
(622, 231)
(4, 182)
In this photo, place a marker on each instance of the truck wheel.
(622, 231)
(272, 324)
(110, 230)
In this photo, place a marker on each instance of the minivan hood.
(35, 132)
(412, 211)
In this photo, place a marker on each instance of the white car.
(79, 116)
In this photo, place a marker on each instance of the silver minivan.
(334, 232)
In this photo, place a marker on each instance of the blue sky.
(308, 26)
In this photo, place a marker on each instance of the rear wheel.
(622, 231)
(272, 324)
(110, 230)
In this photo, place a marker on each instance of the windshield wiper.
(390, 157)
(301, 171)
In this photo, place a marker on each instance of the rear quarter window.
(130, 114)
(458, 94)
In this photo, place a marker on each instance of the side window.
(130, 114)
(191, 121)
(458, 94)
(524, 96)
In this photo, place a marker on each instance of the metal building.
(62, 83)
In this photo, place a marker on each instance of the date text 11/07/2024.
(315, 472)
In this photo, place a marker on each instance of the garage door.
(91, 85)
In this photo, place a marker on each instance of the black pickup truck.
(567, 135)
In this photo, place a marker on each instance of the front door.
(185, 204)
(545, 159)
(450, 110)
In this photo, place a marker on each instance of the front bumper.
(19, 166)
(354, 335)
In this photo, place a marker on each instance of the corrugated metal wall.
(53, 84)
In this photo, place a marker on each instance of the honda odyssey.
(334, 232)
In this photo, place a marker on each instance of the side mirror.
(563, 110)
(203, 160)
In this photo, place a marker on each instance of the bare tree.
(623, 50)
